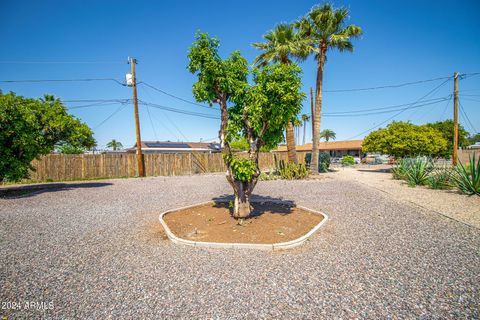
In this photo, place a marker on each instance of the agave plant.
(440, 178)
(467, 178)
(418, 171)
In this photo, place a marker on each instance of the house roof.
(173, 145)
(331, 145)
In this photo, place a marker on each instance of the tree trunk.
(318, 109)
(242, 207)
(292, 152)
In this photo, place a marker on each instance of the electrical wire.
(62, 80)
(176, 97)
(382, 110)
(60, 62)
(463, 76)
(110, 116)
(400, 112)
(466, 116)
(191, 113)
(151, 123)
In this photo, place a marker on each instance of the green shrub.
(418, 171)
(323, 161)
(291, 171)
(440, 178)
(467, 179)
(400, 169)
(348, 161)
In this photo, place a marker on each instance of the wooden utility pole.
(455, 119)
(140, 163)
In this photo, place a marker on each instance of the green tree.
(324, 28)
(115, 145)
(67, 148)
(305, 119)
(474, 138)
(403, 139)
(30, 128)
(328, 134)
(258, 112)
(446, 129)
(240, 144)
(282, 44)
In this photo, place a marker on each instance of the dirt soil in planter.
(270, 223)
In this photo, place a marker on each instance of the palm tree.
(115, 145)
(305, 119)
(281, 45)
(328, 134)
(324, 28)
(297, 123)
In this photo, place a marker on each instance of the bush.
(419, 171)
(323, 161)
(416, 171)
(400, 170)
(291, 171)
(467, 179)
(348, 161)
(440, 178)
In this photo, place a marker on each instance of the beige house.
(335, 148)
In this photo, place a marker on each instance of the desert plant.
(292, 171)
(348, 161)
(440, 178)
(323, 162)
(418, 171)
(399, 171)
(468, 181)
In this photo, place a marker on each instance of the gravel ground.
(450, 203)
(96, 250)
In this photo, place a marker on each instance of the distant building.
(334, 148)
(152, 147)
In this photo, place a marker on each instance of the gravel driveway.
(96, 250)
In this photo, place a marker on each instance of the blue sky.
(403, 41)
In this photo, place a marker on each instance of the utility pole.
(140, 163)
(455, 119)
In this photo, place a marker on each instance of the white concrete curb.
(224, 245)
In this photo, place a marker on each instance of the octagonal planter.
(226, 245)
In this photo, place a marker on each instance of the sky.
(403, 41)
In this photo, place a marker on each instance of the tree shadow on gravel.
(261, 204)
(30, 191)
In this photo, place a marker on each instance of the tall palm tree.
(328, 134)
(282, 44)
(115, 145)
(305, 119)
(324, 28)
(297, 123)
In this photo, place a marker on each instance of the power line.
(61, 62)
(465, 114)
(464, 76)
(396, 114)
(151, 123)
(393, 107)
(191, 113)
(62, 80)
(176, 97)
(110, 116)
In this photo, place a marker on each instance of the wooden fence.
(76, 167)
(463, 155)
